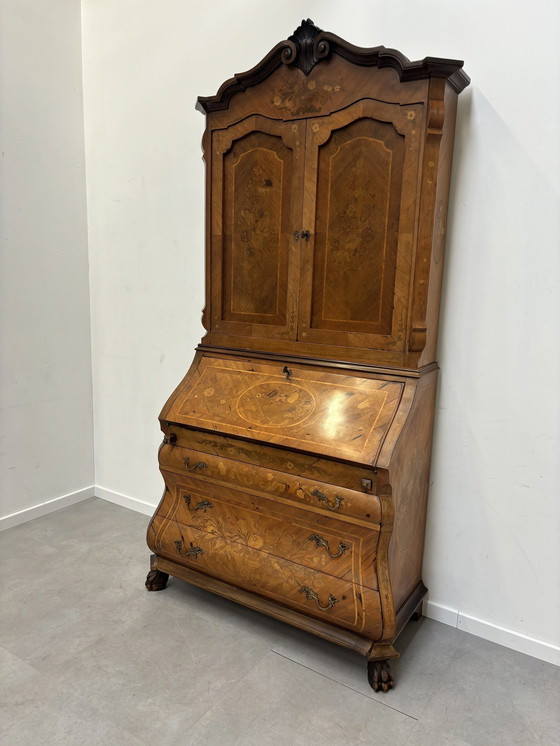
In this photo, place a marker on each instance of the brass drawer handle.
(320, 542)
(193, 551)
(196, 467)
(324, 499)
(202, 505)
(310, 595)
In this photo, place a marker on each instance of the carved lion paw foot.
(156, 580)
(379, 676)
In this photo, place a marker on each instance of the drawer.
(323, 470)
(309, 591)
(333, 499)
(334, 547)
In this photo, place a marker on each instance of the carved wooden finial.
(302, 47)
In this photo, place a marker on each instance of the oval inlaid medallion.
(275, 404)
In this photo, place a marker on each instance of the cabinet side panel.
(409, 472)
(440, 224)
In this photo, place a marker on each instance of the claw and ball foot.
(156, 580)
(379, 676)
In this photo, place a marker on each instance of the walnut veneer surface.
(297, 448)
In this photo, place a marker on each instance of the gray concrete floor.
(88, 656)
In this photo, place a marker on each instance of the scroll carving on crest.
(304, 48)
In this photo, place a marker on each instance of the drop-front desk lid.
(308, 408)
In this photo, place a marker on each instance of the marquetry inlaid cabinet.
(296, 450)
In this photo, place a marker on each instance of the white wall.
(144, 182)
(46, 437)
(492, 550)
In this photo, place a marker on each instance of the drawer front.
(321, 543)
(277, 459)
(308, 591)
(335, 500)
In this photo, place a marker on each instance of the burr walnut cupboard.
(296, 450)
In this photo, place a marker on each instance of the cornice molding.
(309, 45)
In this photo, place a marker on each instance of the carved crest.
(303, 48)
(308, 45)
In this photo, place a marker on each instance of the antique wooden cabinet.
(296, 450)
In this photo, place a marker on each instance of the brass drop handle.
(306, 235)
(193, 551)
(320, 542)
(202, 505)
(310, 595)
(287, 372)
(196, 467)
(324, 499)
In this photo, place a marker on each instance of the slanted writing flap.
(307, 408)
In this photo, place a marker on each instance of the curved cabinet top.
(309, 46)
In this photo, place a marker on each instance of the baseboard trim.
(44, 508)
(125, 501)
(440, 613)
(544, 651)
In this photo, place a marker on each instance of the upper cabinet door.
(361, 177)
(257, 175)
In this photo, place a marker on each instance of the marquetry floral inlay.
(304, 98)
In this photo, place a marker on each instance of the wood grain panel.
(304, 537)
(360, 201)
(330, 413)
(355, 607)
(410, 471)
(256, 177)
(289, 94)
(321, 628)
(359, 173)
(441, 197)
(319, 471)
(256, 214)
(341, 351)
(319, 496)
